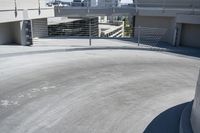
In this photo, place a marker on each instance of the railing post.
(136, 6)
(15, 2)
(175, 37)
(88, 6)
(39, 8)
(90, 36)
(193, 7)
(139, 31)
(164, 5)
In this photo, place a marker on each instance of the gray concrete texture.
(63, 43)
(195, 115)
(91, 91)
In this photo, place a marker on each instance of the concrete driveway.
(91, 91)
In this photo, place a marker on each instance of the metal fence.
(91, 28)
(148, 36)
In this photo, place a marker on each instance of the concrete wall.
(9, 16)
(188, 19)
(13, 32)
(190, 35)
(26, 9)
(158, 22)
(195, 115)
(39, 28)
(21, 4)
(5, 33)
(16, 37)
(170, 3)
(7, 36)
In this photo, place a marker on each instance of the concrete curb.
(78, 49)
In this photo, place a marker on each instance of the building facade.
(109, 3)
(181, 18)
(112, 30)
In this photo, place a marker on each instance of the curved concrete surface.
(195, 115)
(106, 91)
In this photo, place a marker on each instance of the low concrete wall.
(195, 115)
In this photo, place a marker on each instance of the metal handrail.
(194, 5)
(162, 4)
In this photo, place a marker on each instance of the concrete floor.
(91, 91)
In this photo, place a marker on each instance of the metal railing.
(192, 5)
(148, 36)
(136, 4)
(90, 28)
(178, 7)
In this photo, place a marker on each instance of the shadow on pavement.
(181, 50)
(168, 121)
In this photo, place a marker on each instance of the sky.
(122, 1)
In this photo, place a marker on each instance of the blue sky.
(122, 1)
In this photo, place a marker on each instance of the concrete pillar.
(177, 34)
(133, 26)
(131, 20)
(22, 33)
(122, 28)
(195, 114)
(25, 33)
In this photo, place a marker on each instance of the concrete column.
(177, 34)
(195, 114)
(25, 33)
(22, 33)
(122, 28)
(131, 20)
